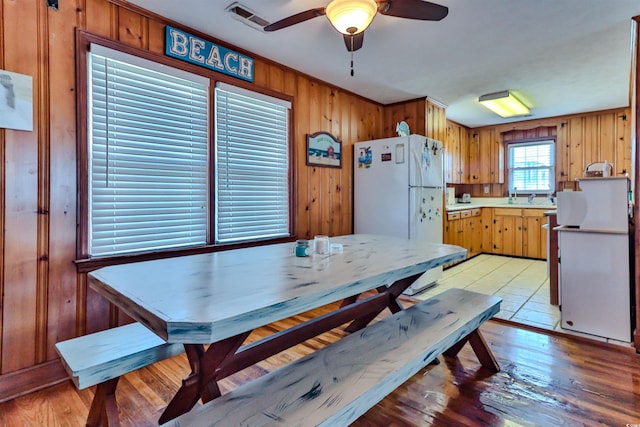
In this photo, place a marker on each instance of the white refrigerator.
(399, 191)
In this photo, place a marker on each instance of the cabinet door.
(463, 160)
(512, 235)
(474, 158)
(486, 223)
(487, 157)
(475, 226)
(496, 235)
(534, 237)
(451, 154)
(485, 142)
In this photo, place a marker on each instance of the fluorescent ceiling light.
(351, 16)
(504, 104)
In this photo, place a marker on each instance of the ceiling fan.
(352, 17)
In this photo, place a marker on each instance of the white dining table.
(218, 298)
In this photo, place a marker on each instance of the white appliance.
(595, 287)
(399, 191)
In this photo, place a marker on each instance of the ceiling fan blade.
(413, 9)
(295, 19)
(358, 39)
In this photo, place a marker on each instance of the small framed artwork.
(323, 149)
(16, 101)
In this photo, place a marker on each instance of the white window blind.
(148, 133)
(531, 167)
(252, 165)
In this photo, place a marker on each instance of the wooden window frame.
(83, 261)
(506, 145)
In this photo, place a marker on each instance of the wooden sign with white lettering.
(204, 53)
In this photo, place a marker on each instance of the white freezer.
(594, 283)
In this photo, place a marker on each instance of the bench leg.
(480, 348)
(104, 409)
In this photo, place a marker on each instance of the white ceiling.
(559, 56)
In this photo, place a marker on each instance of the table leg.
(394, 292)
(200, 384)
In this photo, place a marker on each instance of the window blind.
(148, 132)
(252, 166)
(531, 167)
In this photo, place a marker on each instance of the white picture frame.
(16, 101)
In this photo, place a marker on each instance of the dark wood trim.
(635, 73)
(25, 381)
(83, 263)
(565, 335)
(552, 256)
(400, 103)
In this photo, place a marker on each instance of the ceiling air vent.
(246, 16)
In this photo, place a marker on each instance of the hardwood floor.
(546, 380)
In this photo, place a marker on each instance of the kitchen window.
(158, 180)
(532, 167)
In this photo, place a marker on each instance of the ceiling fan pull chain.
(351, 55)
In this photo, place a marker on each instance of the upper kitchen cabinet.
(599, 137)
(486, 157)
(435, 120)
(456, 144)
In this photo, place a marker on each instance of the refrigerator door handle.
(419, 171)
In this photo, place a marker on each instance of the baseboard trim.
(25, 381)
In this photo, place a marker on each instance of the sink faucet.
(530, 198)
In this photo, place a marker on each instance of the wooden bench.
(338, 383)
(102, 357)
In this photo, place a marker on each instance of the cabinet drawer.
(507, 212)
(475, 212)
(465, 214)
(451, 216)
(533, 212)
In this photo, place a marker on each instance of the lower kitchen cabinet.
(465, 228)
(501, 231)
(518, 232)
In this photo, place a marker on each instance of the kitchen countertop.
(502, 202)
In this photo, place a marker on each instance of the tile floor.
(521, 283)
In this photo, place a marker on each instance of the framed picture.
(16, 102)
(323, 149)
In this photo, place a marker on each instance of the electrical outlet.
(486, 189)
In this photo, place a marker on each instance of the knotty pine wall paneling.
(580, 140)
(62, 279)
(22, 293)
(43, 299)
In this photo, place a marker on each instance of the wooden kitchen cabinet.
(518, 232)
(534, 241)
(486, 157)
(464, 228)
(456, 154)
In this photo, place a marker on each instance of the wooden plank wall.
(43, 299)
(580, 139)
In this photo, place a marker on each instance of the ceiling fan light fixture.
(351, 16)
(504, 104)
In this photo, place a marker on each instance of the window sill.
(90, 264)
